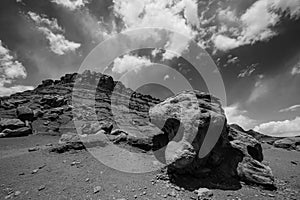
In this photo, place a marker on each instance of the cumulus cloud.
(257, 21)
(248, 71)
(58, 43)
(130, 63)
(280, 128)
(225, 43)
(291, 6)
(296, 69)
(235, 115)
(6, 91)
(71, 4)
(260, 90)
(162, 14)
(54, 34)
(255, 24)
(290, 109)
(10, 69)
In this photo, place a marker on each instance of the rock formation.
(187, 132)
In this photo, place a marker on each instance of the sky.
(253, 45)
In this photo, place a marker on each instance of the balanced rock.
(186, 119)
(196, 137)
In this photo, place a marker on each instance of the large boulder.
(10, 124)
(25, 113)
(186, 119)
(20, 132)
(13, 128)
(193, 122)
(250, 167)
(290, 143)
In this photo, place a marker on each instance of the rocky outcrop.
(187, 132)
(25, 113)
(250, 167)
(185, 120)
(291, 143)
(288, 143)
(13, 128)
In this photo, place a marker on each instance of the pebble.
(42, 187)
(204, 193)
(271, 195)
(75, 163)
(17, 193)
(294, 162)
(97, 189)
(32, 149)
(172, 194)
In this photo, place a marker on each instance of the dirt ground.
(78, 175)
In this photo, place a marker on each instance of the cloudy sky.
(254, 43)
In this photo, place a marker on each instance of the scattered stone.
(75, 163)
(204, 193)
(87, 180)
(17, 193)
(271, 195)
(97, 189)
(33, 149)
(172, 194)
(42, 166)
(42, 187)
(294, 162)
(35, 171)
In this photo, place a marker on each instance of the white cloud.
(58, 43)
(256, 24)
(257, 21)
(10, 69)
(71, 4)
(248, 71)
(191, 12)
(227, 16)
(225, 43)
(290, 109)
(6, 91)
(161, 14)
(54, 34)
(232, 60)
(280, 128)
(260, 90)
(296, 69)
(130, 63)
(237, 116)
(44, 22)
(292, 6)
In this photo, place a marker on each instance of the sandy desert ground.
(78, 175)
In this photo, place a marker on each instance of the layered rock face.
(187, 132)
